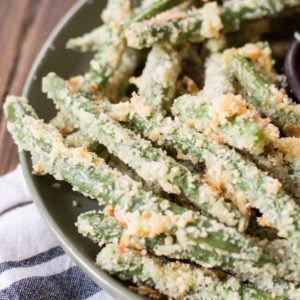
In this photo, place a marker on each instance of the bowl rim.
(104, 281)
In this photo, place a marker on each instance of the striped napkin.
(32, 265)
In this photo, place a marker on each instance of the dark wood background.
(25, 25)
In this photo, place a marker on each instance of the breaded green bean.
(151, 163)
(240, 178)
(173, 279)
(117, 83)
(235, 12)
(206, 22)
(266, 97)
(157, 82)
(275, 163)
(242, 181)
(225, 114)
(79, 139)
(102, 229)
(228, 117)
(142, 213)
(173, 27)
(154, 8)
(218, 81)
(63, 123)
(108, 57)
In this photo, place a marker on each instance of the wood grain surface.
(25, 25)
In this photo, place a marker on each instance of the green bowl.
(55, 205)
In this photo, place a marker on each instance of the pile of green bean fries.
(185, 135)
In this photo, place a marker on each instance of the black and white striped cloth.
(31, 270)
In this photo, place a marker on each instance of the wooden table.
(25, 25)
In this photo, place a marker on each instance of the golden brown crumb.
(121, 246)
(73, 84)
(146, 291)
(290, 147)
(214, 136)
(116, 25)
(94, 87)
(122, 223)
(262, 221)
(190, 84)
(292, 130)
(109, 211)
(37, 169)
(140, 106)
(189, 123)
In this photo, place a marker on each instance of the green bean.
(79, 139)
(242, 181)
(238, 11)
(102, 229)
(116, 11)
(174, 27)
(107, 58)
(118, 82)
(240, 127)
(229, 170)
(195, 26)
(143, 213)
(218, 81)
(266, 97)
(153, 9)
(157, 82)
(226, 115)
(150, 163)
(173, 279)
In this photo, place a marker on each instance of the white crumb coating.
(63, 123)
(212, 23)
(157, 83)
(287, 262)
(256, 8)
(290, 149)
(79, 139)
(90, 41)
(173, 279)
(117, 11)
(218, 81)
